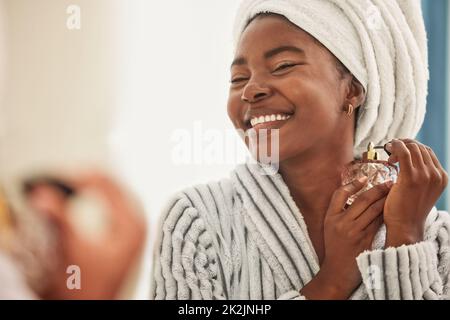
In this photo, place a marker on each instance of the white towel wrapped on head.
(381, 42)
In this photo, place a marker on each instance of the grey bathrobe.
(244, 238)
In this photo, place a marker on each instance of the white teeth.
(269, 118)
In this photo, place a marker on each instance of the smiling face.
(282, 78)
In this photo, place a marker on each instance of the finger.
(49, 181)
(93, 181)
(427, 160)
(82, 181)
(369, 215)
(51, 204)
(435, 159)
(341, 195)
(393, 159)
(416, 155)
(431, 162)
(125, 222)
(442, 174)
(372, 229)
(424, 150)
(119, 206)
(367, 199)
(400, 153)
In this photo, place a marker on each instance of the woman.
(336, 75)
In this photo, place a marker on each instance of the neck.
(313, 177)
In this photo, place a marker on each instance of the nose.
(255, 92)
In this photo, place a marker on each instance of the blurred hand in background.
(104, 261)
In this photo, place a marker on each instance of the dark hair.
(341, 68)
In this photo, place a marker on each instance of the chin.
(284, 153)
(288, 147)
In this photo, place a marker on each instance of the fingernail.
(388, 147)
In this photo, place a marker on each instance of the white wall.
(61, 85)
(2, 65)
(175, 71)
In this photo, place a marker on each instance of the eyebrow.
(269, 54)
(278, 50)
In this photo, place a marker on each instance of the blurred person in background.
(103, 262)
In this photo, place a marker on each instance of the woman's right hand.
(347, 233)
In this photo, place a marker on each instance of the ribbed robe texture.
(244, 238)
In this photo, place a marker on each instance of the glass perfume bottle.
(377, 171)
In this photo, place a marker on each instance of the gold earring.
(350, 109)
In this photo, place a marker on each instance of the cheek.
(313, 100)
(316, 117)
(235, 109)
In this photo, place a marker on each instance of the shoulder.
(200, 210)
(207, 199)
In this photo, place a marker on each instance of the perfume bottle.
(377, 171)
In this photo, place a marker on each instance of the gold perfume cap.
(371, 154)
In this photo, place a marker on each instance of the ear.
(356, 94)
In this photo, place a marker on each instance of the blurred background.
(115, 91)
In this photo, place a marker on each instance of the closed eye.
(285, 66)
(238, 80)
